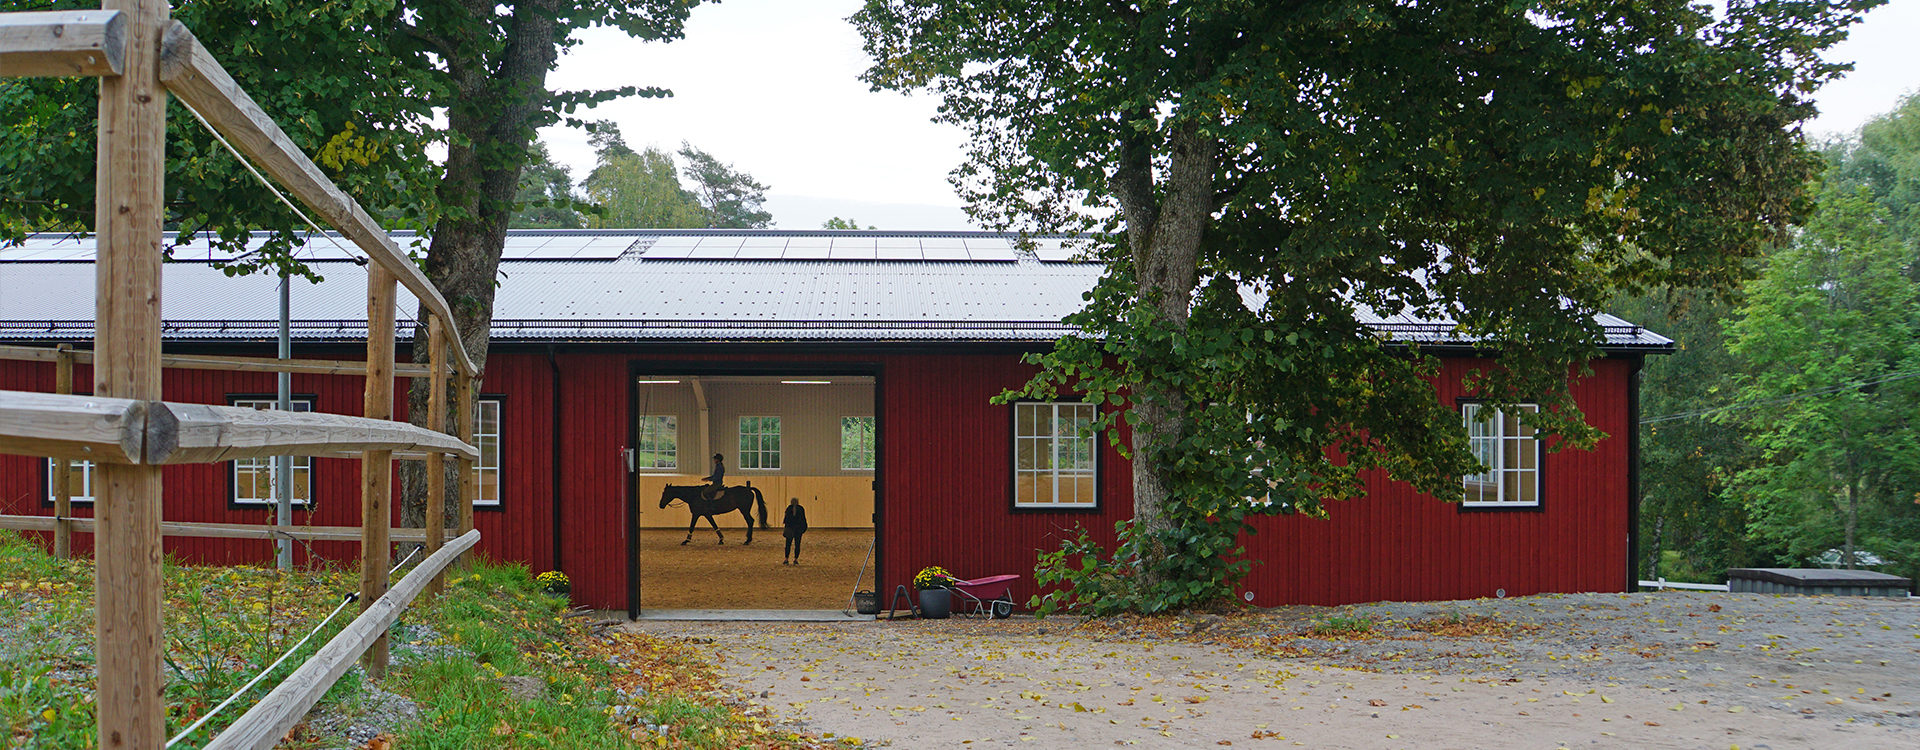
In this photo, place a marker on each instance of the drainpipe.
(553, 369)
(1633, 475)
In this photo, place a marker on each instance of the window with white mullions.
(659, 446)
(856, 443)
(759, 442)
(486, 438)
(1054, 455)
(79, 481)
(1510, 451)
(255, 480)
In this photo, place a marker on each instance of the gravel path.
(1680, 670)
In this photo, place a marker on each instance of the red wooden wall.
(518, 530)
(945, 462)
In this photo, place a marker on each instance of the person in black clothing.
(717, 480)
(795, 524)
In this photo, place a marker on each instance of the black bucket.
(866, 602)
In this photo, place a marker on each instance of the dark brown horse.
(734, 498)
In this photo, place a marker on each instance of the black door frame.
(639, 368)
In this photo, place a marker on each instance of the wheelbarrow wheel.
(1003, 607)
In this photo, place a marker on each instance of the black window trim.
(231, 468)
(1539, 460)
(501, 504)
(1013, 457)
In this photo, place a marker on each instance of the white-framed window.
(486, 438)
(1510, 449)
(856, 443)
(79, 481)
(1054, 455)
(659, 443)
(255, 480)
(759, 442)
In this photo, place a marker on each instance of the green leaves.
(1271, 179)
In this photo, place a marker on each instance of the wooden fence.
(129, 431)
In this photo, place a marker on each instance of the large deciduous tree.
(1272, 175)
(356, 84)
(1830, 336)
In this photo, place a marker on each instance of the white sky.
(772, 86)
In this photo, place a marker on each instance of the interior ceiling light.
(656, 382)
(807, 382)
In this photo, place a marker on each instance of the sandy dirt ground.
(1656, 670)
(704, 574)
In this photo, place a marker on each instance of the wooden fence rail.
(268, 721)
(225, 530)
(191, 73)
(124, 431)
(224, 362)
(127, 428)
(63, 43)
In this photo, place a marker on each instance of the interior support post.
(436, 463)
(130, 171)
(376, 467)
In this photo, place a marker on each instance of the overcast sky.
(772, 86)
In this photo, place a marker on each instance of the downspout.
(553, 370)
(1633, 474)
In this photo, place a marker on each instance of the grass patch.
(491, 663)
(1340, 626)
(1457, 625)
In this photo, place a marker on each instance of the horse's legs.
(691, 522)
(749, 516)
(716, 529)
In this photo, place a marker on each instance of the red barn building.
(852, 366)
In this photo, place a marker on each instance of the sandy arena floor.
(706, 575)
(1656, 670)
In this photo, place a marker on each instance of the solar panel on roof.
(990, 249)
(763, 248)
(675, 241)
(717, 247)
(521, 248)
(605, 248)
(852, 248)
(1056, 250)
(566, 247)
(817, 251)
(943, 249)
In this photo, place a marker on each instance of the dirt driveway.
(1675, 670)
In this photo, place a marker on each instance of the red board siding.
(519, 530)
(945, 466)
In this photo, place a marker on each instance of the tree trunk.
(499, 99)
(1852, 514)
(1164, 237)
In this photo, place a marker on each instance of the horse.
(734, 498)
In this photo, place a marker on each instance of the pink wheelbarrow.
(992, 596)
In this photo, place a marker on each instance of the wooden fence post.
(463, 416)
(436, 463)
(63, 468)
(130, 172)
(376, 467)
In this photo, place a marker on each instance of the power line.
(1782, 399)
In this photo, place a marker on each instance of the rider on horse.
(717, 480)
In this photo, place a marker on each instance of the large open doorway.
(793, 434)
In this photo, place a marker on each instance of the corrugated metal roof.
(630, 296)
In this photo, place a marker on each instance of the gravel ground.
(1681, 670)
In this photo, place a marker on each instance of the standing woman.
(795, 524)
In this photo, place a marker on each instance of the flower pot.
(936, 604)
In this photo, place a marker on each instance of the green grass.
(1343, 626)
(223, 624)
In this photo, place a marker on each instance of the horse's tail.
(762, 499)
